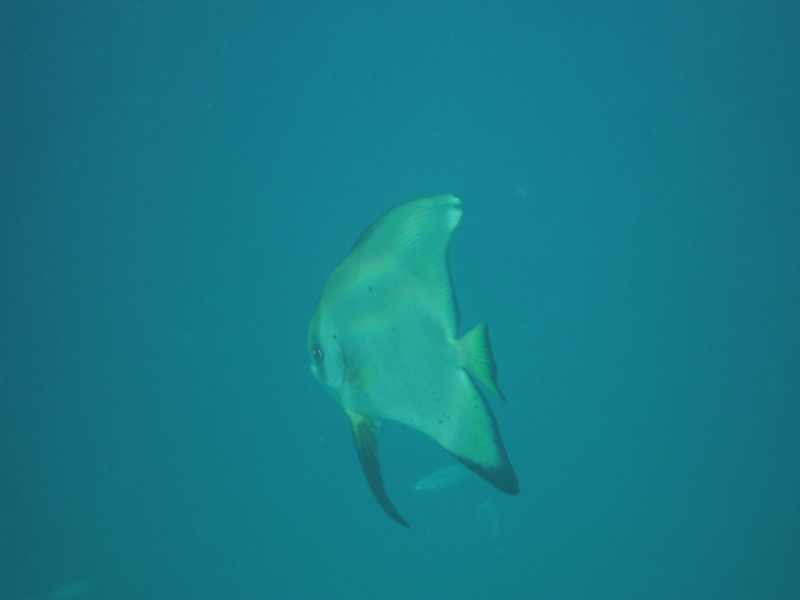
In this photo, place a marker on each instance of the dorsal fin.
(414, 237)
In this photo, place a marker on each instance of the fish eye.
(318, 354)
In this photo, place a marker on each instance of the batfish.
(384, 342)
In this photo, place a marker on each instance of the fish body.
(383, 341)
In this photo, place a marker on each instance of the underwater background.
(177, 181)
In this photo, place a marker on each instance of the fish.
(442, 478)
(488, 520)
(383, 341)
(71, 591)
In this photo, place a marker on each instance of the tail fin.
(476, 356)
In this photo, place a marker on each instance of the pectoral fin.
(365, 435)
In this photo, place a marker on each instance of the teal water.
(177, 181)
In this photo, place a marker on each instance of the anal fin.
(365, 435)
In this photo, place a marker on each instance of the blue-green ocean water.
(177, 181)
